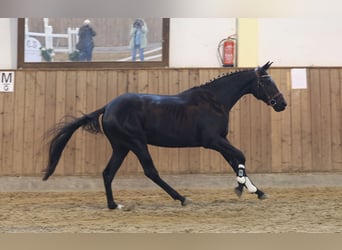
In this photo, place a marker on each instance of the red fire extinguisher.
(226, 51)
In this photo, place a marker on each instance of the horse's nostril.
(273, 102)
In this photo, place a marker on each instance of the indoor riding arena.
(293, 156)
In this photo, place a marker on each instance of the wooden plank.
(7, 133)
(50, 100)
(40, 155)
(19, 111)
(314, 80)
(2, 121)
(340, 145)
(70, 110)
(296, 131)
(174, 81)
(143, 85)
(276, 126)
(50, 108)
(286, 138)
(153, 80)
(336, 118)
(325, 119)
(163, 85)
(60, 111)
(30, 88)
(276, 145)
(306, 133)
(90, 156)
(112, 85)
(266, 140)
(80, 136)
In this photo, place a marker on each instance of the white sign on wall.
(6, 81)
(298, 79)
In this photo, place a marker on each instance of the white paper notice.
(298, 79)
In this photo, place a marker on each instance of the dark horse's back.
(162, 120)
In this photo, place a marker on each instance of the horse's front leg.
(237, 161)
(244, 181)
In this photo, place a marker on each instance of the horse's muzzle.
(278, 103)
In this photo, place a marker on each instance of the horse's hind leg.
(151, 172)
(109, 172)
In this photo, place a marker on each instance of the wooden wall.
(307, 137)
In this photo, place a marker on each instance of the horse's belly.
(173, 140)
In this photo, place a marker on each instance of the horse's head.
(266, 90)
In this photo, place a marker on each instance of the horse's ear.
(267, 66)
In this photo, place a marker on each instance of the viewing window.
(93, 42)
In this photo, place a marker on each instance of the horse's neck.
(229, 90)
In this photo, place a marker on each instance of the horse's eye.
(267, 81)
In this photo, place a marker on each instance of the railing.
(71, 37)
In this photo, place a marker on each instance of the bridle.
(271, 99)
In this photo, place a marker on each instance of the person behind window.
(138, 41)
(86, 43)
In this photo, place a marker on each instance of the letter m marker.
(6, 81)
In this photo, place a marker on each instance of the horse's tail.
(63, 132)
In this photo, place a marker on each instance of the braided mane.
(212, 81)
(220, 77)
(224, 75)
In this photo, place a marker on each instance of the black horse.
(193, 118)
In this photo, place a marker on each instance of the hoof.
(262, 196)
(114, 206)
(238, 191)
(186, 202)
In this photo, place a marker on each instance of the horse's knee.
(107, 179)
(104, 176)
